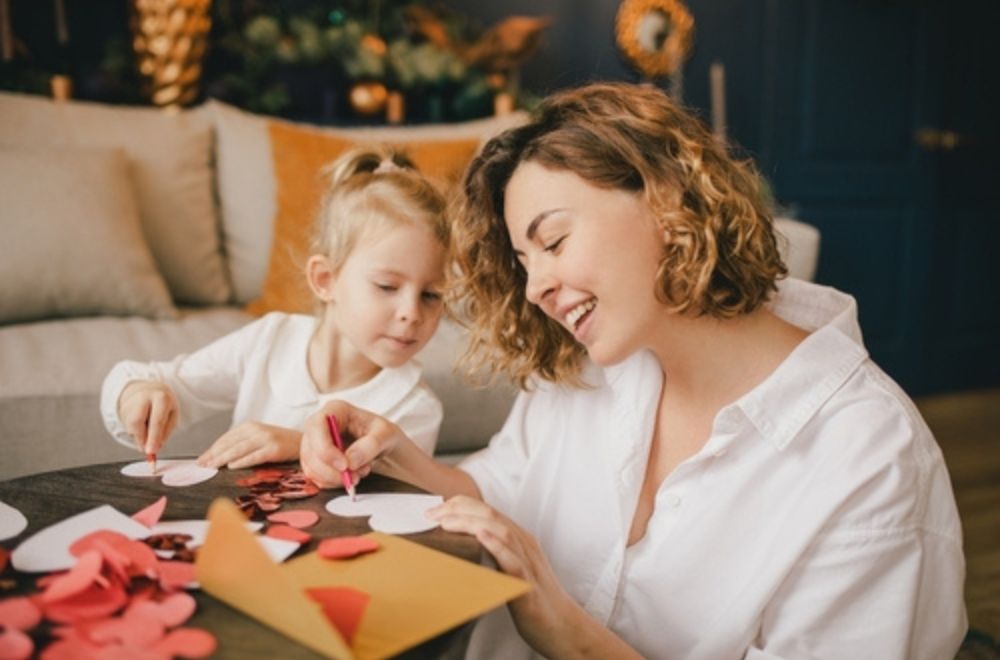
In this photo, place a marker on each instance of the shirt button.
(672, 500)
(719, 453)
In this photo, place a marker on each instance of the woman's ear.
(321, 277)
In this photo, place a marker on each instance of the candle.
(717, 88)
(395, 108)
(6, 34)
(62, 29)
(503, 103)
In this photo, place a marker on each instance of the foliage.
(286, 59)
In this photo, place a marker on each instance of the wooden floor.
(967, 426)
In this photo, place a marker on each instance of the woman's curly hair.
(721, 258)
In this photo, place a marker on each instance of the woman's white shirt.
(261, 373)
(818, 521)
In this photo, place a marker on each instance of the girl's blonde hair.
(370, 189)
(722, 257)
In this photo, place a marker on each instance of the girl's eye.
(431, 296)
(388, 288)
(553, 246)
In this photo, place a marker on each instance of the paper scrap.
(48, 549)
(391, 513)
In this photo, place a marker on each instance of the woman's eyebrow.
(537, 220)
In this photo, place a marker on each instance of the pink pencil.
(345, 475)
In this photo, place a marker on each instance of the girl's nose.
(409, 310)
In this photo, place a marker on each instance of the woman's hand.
(544, 615)
(252, 443)
(148, 410)
(373, 437)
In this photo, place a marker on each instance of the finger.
(318, 443)
(378, 437)
(211, 457)
(159, 416)
(320, 472)
(135, 423)
(253, 457)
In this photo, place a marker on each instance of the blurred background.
(873, 120)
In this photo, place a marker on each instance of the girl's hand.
(545, 616)
(148, 410)
(373, 437)
(252, 443)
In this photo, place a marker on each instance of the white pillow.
(246, 180)
(170, 165)
(72, 240)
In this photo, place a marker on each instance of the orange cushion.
(299, 153)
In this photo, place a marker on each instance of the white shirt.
(260, 372)
(818, 521)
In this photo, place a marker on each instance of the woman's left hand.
(543, 613)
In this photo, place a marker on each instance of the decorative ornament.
(368, 98)
(169, 38)
(655, 36)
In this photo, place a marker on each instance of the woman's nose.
(540, 284)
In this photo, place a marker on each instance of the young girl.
(706, 463)
(376, 271)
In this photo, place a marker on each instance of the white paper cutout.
(172, 471)
(48, 549)
(12, 522)
(391, 513)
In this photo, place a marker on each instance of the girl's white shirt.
(260, 372)
(818, 521)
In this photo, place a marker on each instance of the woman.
(704, 463)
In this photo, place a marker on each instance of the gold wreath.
(654, 63)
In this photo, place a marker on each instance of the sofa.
(136, 233)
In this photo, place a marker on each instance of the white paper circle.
(391, 513)
(145, 469)
(187, 475)
(12, 522)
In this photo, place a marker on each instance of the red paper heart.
(345, 547)
(343, 607)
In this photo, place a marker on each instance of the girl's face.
(387, 295)
(591, 255)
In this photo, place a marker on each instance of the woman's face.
(591, 255)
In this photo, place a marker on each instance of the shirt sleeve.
(891, 591)
(204, 382)
(499, 468)
(420, 415)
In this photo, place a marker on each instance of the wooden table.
(50, 497)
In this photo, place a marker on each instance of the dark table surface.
(50, 497)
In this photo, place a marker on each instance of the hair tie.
(387, 165)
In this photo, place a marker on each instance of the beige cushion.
(72, 241)
(246, 178)
(170, 162)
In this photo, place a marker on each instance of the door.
(879, 118)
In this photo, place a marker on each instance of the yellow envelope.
(416, 592)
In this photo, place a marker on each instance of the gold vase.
(169, 38)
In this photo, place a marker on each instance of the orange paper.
(416, 593)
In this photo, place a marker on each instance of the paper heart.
(391, 513)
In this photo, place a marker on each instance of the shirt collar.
(290, 381)
(781, 405)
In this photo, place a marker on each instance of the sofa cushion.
(170, 166)
(247, 185)
(51, 384)
(300, 153)
(73, 243)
